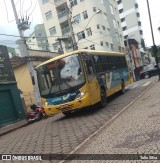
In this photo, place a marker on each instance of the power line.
(2, 34)
(7, 13)
(33, 9)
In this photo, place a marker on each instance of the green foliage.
(153, 51)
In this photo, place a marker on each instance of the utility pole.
(69, 17)
(154, 47)
(24, 25)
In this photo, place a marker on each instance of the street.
(61, 134)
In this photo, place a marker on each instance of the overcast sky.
(8, 27)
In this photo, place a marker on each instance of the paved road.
(60, 134)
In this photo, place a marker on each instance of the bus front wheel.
(103, 101)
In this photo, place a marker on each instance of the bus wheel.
(103, 101)
(67, 113)
(123, 87)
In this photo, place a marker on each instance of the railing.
(62, 14)
(65, 30)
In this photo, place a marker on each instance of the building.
(22, 73)
(11, 107)
(94, 26)
(37, 40)
(131, 24)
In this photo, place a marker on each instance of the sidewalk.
(137, 130)
(12, 126)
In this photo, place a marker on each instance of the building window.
(124, 28)
(73, 2)
(52, 31)
(81, 35)
(107, 44)
(111, 46)
(115, 10)
(119, 48)
(103, 27)
(101, 43)
(139, 23)
(92, 47)
(105, 15)
(114, 23)
(120, 37)
(119, 2)
(141, 32)
(98, 26)
(85, 15)
(108, 30)
(89, 32)
(125, 37)
(81, 0)
(56, 46)
(48, 15)
(117, 37)
(111, 8)
(123, 19)
(94, 9)
(118, 24)
(44, 1)
(138, 14)
(77, 18)
(136, 5)
(120, 11)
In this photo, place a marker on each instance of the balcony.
(59, 2)
(66, 31)
(62, 16)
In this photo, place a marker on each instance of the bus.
(80, 79)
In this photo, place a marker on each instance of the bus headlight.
(81, 94)
(46, 103)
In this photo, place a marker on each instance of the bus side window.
(89, 68)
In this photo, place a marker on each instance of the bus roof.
(82, 50)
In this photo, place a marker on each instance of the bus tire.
(123, 87)
(67, 113)
(103, 101)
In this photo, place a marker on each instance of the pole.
(26, 53)
(71, 28)
(154, 45)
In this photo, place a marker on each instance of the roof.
(17, 61)
(78, 51)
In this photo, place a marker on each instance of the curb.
(12, 127)
(98, 131)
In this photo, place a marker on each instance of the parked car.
(149, 71)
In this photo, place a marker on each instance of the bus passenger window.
(90, 69)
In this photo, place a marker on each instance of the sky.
(31, 7)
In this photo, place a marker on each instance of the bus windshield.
(60, 76)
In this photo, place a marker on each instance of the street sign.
(6, 72)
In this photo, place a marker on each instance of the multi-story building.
(90, 24)
(130, 19)
(38, 40)
(131, 24)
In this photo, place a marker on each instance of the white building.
(131, 24)
(92, 30)
(38, 40)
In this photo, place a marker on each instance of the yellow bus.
(81, 78)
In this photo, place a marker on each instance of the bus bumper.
(69, 106)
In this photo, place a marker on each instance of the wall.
(11, 108)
